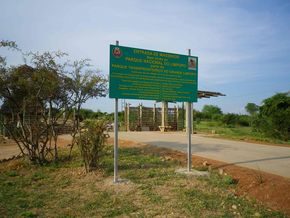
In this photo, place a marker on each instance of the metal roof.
(208, 94)
(204, 94)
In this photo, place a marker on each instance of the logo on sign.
(191, 63)
(117, 52)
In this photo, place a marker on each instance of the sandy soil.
(9, 148)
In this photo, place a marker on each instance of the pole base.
(192, 173)
(121, 181)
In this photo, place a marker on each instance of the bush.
(209, 111)
(244, 120)
(229, 119)
(273, 118)
(217, 117)
(198, 116)
(236, 119)
(91, 142)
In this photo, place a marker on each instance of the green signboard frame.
(152, 75)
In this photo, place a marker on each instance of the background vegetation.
(268, 122)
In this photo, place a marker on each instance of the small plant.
(219, 180)
(228, 180)
(12, 173)
(91, 142)
(259, 177)
(28, 214)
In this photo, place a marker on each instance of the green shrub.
(244, 120)
(229, 119)
(91, 142)
(273, 117)
(235, 119)
(211, 112)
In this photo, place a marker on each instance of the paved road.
(271, 159)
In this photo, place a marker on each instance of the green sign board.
(152, 75)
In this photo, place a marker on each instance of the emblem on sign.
(117, 52)
(191, 63)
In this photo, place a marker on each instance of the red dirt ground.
(271, 190)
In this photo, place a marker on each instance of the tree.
(85, 83)
(211, 111)
(273, 118)
(230, 119)
(252, 108)
(29, 95)
(86, 114)
(38, 99)
(10, 45)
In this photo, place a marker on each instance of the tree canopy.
(38, 98)
(274, 116)
(210, 111)
(252, 108)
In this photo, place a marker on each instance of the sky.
(243, 45)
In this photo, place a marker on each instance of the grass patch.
(220, 181)
(105, 204)
(64, 190)
(12, 173)
(235, 132)
(197, 200)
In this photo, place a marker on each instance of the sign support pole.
(116, 142)
(116, 138)
(189, 130)
(189, 124)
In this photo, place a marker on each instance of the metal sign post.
(116, 142)
(116, 138)
(189, 130)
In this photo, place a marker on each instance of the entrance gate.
(142, 118)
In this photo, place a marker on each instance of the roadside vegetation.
(266, 123)
(153, 188)
(216, 129)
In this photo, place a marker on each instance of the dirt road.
(267, 158)
(271, 159)
(8, 150)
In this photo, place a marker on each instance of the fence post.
(140, 117)
(1, 125)
(154, 117)
(4, 122)
(177, 117)
(126, 118)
